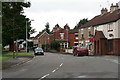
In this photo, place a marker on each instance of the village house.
(104, 30)
(66, 36)
(42, 40)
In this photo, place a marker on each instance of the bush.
(55, 45)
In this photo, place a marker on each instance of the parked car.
(38, 51)
(80, 51)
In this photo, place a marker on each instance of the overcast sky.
(63, 11)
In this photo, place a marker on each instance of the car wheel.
(73, 54)
(77, 54)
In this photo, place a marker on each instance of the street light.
(27, 35)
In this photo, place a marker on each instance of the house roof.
(73, 31)
(103, 19)
(38, 35)
(99, 35)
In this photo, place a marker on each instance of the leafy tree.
(47, 27)
(55, 45)
(14, 22)
(81, 22)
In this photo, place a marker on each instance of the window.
(61, 35)
(76, 44)
(110, 27)
(82, 31)
(89, 32)
(82, 34)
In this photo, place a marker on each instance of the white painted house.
(106, 30)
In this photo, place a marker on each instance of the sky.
(63, 12)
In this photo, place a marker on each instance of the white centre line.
(44, 76)
(54, 70)
(61, 64)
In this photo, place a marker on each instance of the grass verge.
(20, 54)
(5, 58)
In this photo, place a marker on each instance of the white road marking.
(54, 70)
(81, 76)
(44, 76)
(61, 64)
(57, 68)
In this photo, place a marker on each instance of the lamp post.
(27, 36)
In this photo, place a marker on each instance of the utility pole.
(27, 36)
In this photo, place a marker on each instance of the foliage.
(47, 27)
(55, 45)
(81, 22)
(14, 22)
(30, 45)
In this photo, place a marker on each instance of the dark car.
(38, 51)
(80, 51)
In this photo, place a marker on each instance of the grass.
(5, 58)
(11, 57)
(20, 54)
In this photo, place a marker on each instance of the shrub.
(55, 45)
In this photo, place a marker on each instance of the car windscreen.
(81, 47)
(38, 49)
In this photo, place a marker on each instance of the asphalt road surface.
(53, 65)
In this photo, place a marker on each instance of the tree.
(47, 28)
(55, 45)
(81, 22)
(14, 22)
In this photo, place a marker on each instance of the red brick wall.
(51, 38)
(71, 39)
(116, 46)
(57, 34)
(69, 36)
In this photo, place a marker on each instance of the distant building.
(66, 36)
(103, 31)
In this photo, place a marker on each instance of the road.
(53, 65)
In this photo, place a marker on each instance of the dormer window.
(61, 35)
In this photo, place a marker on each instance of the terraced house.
(102, 33)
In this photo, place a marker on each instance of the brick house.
(66, 36)
(106, 31)
(86, 34)
(73, 37)
(42, 39)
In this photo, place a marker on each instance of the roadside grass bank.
(20, 54)
(9, 55)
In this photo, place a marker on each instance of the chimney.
(114, 7)
(119, 4)
(103, 11)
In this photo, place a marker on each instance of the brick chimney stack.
(114, 7)
(103, 11)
